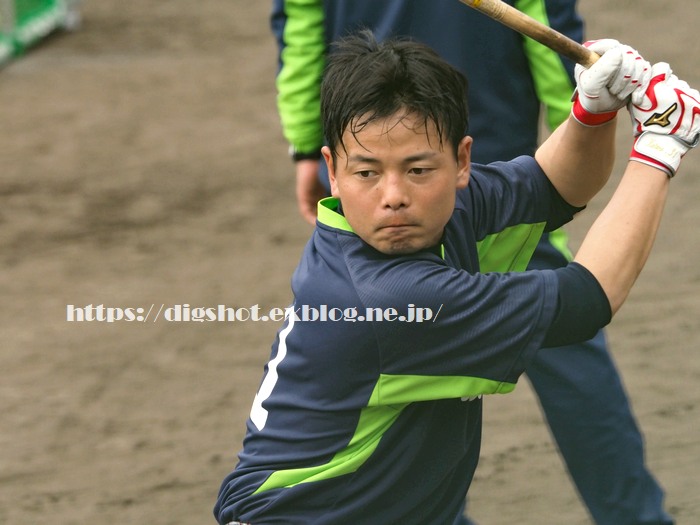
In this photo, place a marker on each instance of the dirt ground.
(142, 163)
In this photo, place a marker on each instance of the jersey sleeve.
(553, 75)
(583, 307)
(502, 195)
(463, 334)
(298, 28)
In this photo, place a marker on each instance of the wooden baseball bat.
(528, 26)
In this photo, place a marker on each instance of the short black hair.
(365, 80)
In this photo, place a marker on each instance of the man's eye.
(365, 173)
(419, 171)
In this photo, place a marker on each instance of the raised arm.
(620, 240)
(578, 157)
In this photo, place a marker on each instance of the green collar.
(328, 214)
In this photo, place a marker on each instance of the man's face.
(397, 183)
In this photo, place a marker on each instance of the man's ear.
(326, 152)
(464, 161)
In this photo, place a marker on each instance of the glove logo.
(661, 119)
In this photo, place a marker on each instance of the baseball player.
(510, 79)
(376, 419)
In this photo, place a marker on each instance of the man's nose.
(395, 191)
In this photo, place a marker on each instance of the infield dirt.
(142, 163)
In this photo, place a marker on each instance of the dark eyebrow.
(421, 156)
(413, 158)
(362, 158)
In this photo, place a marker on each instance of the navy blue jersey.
(354, 414)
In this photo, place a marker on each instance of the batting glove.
(666, 121)
(606, 86)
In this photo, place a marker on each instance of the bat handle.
(578, 53)
(520, 22)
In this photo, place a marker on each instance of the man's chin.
(398, 247)
(405, 243)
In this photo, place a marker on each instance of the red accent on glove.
(651, 95)
(587, 118)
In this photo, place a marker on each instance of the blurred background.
(141, 164)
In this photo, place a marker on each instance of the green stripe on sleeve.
(299, 78)
(552, 83)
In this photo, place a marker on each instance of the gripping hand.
(666, 121)
(606, 86)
